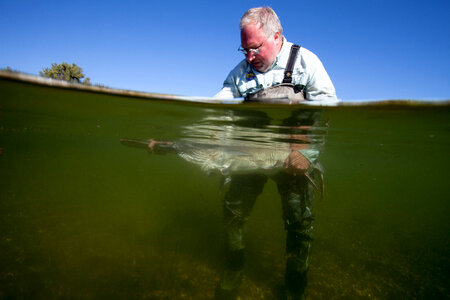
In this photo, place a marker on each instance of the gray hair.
(265, 17)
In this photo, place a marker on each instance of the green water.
(84, 217)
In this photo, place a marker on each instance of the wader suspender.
(285, 89)
(290, 64)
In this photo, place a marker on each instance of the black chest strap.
(290, 64)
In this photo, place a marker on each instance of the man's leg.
(237, 205)
(297, 201)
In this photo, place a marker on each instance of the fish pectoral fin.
(311, 181)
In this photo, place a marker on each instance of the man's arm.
(297, 163)
(230, 89)
(226, 93)
(319, 85)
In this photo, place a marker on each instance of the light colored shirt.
(308, 72)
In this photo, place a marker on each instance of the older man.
(277, 69)
(267, 53)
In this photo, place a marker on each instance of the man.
(274, 68)
(267, 52)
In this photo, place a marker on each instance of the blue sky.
(372, 49)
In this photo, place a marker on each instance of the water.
(85, 217)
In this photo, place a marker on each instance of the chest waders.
(297, 201)
(285, 92)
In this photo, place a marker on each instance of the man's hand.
(153, 146)
(296, 163)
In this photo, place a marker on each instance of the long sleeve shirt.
(308, 72)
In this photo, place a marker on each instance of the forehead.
(252, 35)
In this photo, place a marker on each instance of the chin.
(260, 68)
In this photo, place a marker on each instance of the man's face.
(253, 37)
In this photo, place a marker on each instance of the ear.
(277, 37)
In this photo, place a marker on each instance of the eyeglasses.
(254, 51)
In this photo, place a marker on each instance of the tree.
(8, 69)
(65, 71)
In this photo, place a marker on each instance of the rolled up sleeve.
(227, 92)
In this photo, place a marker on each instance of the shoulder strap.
(290, 64)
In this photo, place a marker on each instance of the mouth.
(257, 64)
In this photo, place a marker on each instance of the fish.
(229, 160)
(226, 160)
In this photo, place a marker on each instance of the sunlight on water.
(87, 211)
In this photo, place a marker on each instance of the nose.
(250, 56)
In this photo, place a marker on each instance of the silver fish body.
(229, 160)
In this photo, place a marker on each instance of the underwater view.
(89, 211)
